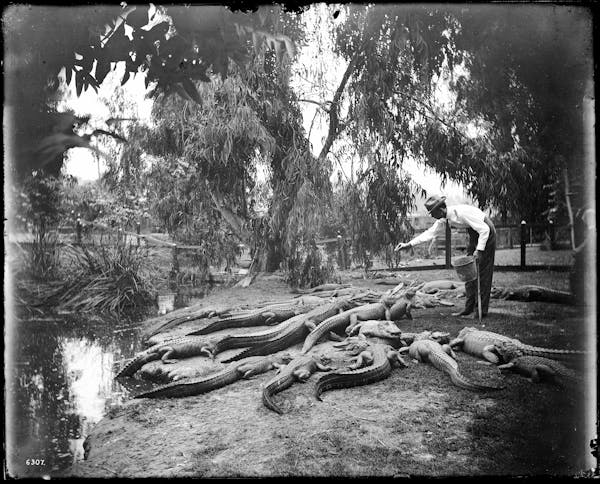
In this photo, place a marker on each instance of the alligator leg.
(248, 370)
(335, 337)
(456, 342)
(395, 356)
(489, 354)
(543, 372)
(449, 351)
(269, 315)
(353, 322)
(168, 351)
(365, 358)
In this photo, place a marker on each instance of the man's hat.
(434, 202)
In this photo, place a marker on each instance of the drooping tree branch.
(334, 126)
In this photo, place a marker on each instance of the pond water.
(59, 380)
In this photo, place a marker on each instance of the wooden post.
(175, 263)
(523, 242)
(448, 247)
(138, 227)
(78, 230)
(552, 234)
(510, 238)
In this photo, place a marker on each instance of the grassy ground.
(416, 422)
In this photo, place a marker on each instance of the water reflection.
(58, 386)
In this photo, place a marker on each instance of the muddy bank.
(413, 423)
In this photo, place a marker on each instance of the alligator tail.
(366, 376)
(264, 349)
(461, 381)
(268, 402)
(551, 352)
(136, 363)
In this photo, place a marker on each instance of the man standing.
(482, 244)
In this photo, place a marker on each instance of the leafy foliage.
(373, 211)
(527, 73)
(170, 46)
(105, 278)
(310, 270)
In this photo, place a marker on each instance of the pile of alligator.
(368, 342)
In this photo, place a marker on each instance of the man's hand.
(477, 254)
(402, 246)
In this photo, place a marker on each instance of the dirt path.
(413, 423)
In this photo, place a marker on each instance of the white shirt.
(460, 217)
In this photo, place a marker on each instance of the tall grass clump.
(110, 278)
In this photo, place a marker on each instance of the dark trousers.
(486, 270)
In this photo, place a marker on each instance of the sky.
(314, 60)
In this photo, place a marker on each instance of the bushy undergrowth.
(104, 278)
(311, 270)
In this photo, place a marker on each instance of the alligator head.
(441, 337)
(507, 351)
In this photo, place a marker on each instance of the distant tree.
(516, 120)
(170, 46)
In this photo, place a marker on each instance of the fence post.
(448, 246)
(552, 235)
(78, 230)
(523, 243)
(510, 238)
(175, 262)
(138, 228)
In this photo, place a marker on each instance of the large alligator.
(538, 369)
(185, 315)
(322, 288)
(378, 357)
(182, 347)
(510, 350)
(533, 293)
(375, 328)
(296, 330)
(482, 344)
(300, 369)
(442, 358)
(433, 287)
(230, 374)
(268, 315)
(378, 310)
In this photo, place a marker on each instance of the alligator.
(207, 383)
(533, 293)
(377, 357)
(296, 330)
(322, 288)
(509, 350)
(156, 325)
(182, 347)
(482, 344)
(404, 338)
(268, 315)
(300, 368)
(442, 357)
(439, 336)
(375, 328)
(378, 310)
(538, 368)
(432, 287)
